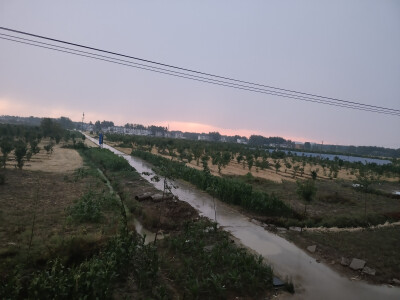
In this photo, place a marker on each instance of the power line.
(129, 64)
(290, 94)
(207, 79)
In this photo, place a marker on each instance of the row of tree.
(222, 154)
(24, 140)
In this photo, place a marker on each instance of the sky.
(342, 49)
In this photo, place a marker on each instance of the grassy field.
(333, 199)
(64, 234)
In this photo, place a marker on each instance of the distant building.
(176, 134)
(298, 145)
(241, 141)
(203, 137)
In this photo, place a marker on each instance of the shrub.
(227, 189)
(86, 209)
(107, 160)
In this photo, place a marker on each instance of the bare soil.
(42, 198)
(61, 160)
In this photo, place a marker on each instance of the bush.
(227, 189)
(208, 264)
(92, 279)
(107, 160)
(86, 209)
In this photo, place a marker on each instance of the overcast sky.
(343, 49)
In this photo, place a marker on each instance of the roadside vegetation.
(72, 235)
(284, 190)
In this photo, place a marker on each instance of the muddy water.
(312, 280)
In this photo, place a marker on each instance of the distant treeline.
(254, 140)
(64, 122)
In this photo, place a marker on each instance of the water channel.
(312, 280)
(349, 158)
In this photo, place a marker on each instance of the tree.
(49, 147)
(306, 190)
(287, 165)
(215, 136)
(364, 182)
(34, 146)
(197, 152)
(314, 175)
(20, 152)
(277, 166)
(295, 170)
(250, 161)
(50, 128)
(66, 123)
(6, 146)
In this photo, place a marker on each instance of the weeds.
(209, 264)
(91, 279)
(90, 206)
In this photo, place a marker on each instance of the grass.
(82, 245)
(378, 247)
(207, 264)
(336, 204)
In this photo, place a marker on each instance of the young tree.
(49, 147)
(6, 146)
(364, 182)
(34, 146)
(239, 158)
(295, 170)
(314, 175)
(277, 166)
(287, 166)
(250, 161)
(20, 152)
(306, 190)
(197, 152)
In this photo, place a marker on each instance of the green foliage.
(51, 129)
(92, 279)
(314, 175)
(306, 190)
(6, 147)
(86, 209)
(90, 206)
(107, 160)
(209, 264)
(228, 190)
(20, 152)
(49, 147)
(277, 166)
